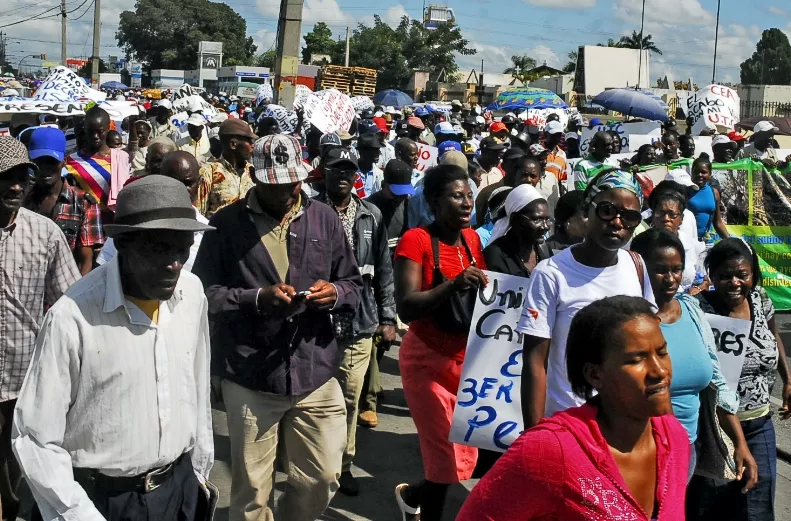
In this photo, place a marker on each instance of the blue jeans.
(710, 499)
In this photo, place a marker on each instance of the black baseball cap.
(368, 141)
(338, 156)
(398, 176)
(492, 143)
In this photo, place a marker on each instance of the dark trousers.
(709, 499)
(10, 473)
(181, 498)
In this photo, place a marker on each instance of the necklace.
(461, 259)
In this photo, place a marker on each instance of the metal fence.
(766, 109)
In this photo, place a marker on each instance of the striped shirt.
(109, 389)
(36, 268)
(589, 168)
(556, 164)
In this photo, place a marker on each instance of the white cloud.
(264, 40)
(685, 12)
(563, 4)
(776, 11)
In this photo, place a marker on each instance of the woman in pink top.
(622, 455)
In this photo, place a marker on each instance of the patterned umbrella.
(527, 98)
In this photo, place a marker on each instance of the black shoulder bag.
(455, 314)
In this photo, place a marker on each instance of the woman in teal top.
(691, 345)
(705, 202)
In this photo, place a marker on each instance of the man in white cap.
(160, 123)
(556, 160)
(761, 147)
(277, 266)
(196, 140)
(113, 421)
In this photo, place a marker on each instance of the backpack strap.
(638, 264)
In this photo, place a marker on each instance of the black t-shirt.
(501, 257)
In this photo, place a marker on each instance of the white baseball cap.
(196, 120)
(165, 103)
(765, 126)
(219, 117)
(680, 176)
(554, 127)
(721, 140)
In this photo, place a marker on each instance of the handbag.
(715, 449)
(455, 314)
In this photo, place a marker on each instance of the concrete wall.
(560, 85)
(613, 67)
(765, 100)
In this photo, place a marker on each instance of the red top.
(415, 245)
(562, 470)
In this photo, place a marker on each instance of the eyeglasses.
(662, 214)
(606, 211)
(340, 172)
(539, 221)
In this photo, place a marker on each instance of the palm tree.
(521, 64)
(571, 66)
(610, 43)
(633, 42)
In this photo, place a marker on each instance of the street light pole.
(640, 62)
(19, 67)
(716, 40)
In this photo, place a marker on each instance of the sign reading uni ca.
(488, 410)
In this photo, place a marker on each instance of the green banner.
(773, 246)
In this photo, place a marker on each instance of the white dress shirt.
(108, 250)
(108, 389)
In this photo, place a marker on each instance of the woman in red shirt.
(432, 352)
(621, 455)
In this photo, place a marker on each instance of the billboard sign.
(210, 61)
(210, 47)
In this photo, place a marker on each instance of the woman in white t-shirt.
(572, 279)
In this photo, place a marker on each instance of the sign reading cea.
(488, 410)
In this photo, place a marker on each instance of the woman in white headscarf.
(517, 243)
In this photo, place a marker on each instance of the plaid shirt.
(36, 268)
(76, 214)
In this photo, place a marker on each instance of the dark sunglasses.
(340, 172)
(606, 211)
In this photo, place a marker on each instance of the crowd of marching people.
(154, 270)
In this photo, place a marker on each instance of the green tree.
(770, 64)
(165, 33)
(267, 59)
(319, 41)
(633, 42)
(610, 43)
(86, 70)
(520, 67)
(571, 66)
(396, 52)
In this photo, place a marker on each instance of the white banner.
(286, 119)
(731, 336)
(711, 107)
(179, 119)
(183, 92)
(488, 410)
(539, 117)
(63, 85)
(360, 103)
(184, 104)
(329, 110)
(426, 157)
(301, 94)
(625, 131)
(263, 94)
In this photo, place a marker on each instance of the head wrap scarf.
(614, 179)
(519, 197)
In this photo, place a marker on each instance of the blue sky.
(544, 29)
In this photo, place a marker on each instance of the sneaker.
(407, 512)
(349, 486)
(368, 419)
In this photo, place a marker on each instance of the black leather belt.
(142, 483)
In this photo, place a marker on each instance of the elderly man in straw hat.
(113, 420)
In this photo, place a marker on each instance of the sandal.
(406, 510)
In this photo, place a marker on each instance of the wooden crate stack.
(364, 82)
(355, 81)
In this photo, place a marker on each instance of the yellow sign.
(49, 64)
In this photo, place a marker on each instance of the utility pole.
(289, 28)
(63, 32)
(640, 61)
(97, 35)
(716, 39)
(346, 61)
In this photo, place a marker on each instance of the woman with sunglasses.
(570, 280)
(692, 348)
(517, 243)
(733, 270)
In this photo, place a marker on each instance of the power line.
(31, 18)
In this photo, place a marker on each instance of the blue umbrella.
(393, 97)
(632, 103)
(114, 85)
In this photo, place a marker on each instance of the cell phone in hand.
(302, 294)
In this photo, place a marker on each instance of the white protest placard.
(179, 119)
(361, 103)
(711, 107)
(329, 110)
(426, 157)
(488, 411)
(539, 117)
(185, 91)
(187, 102)
(263, 94)
(63, 85)
(286, 119)
(731, 336)
(301, 93)
(625, 131)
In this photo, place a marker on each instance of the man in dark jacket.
(375, 316)
(275, 270)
